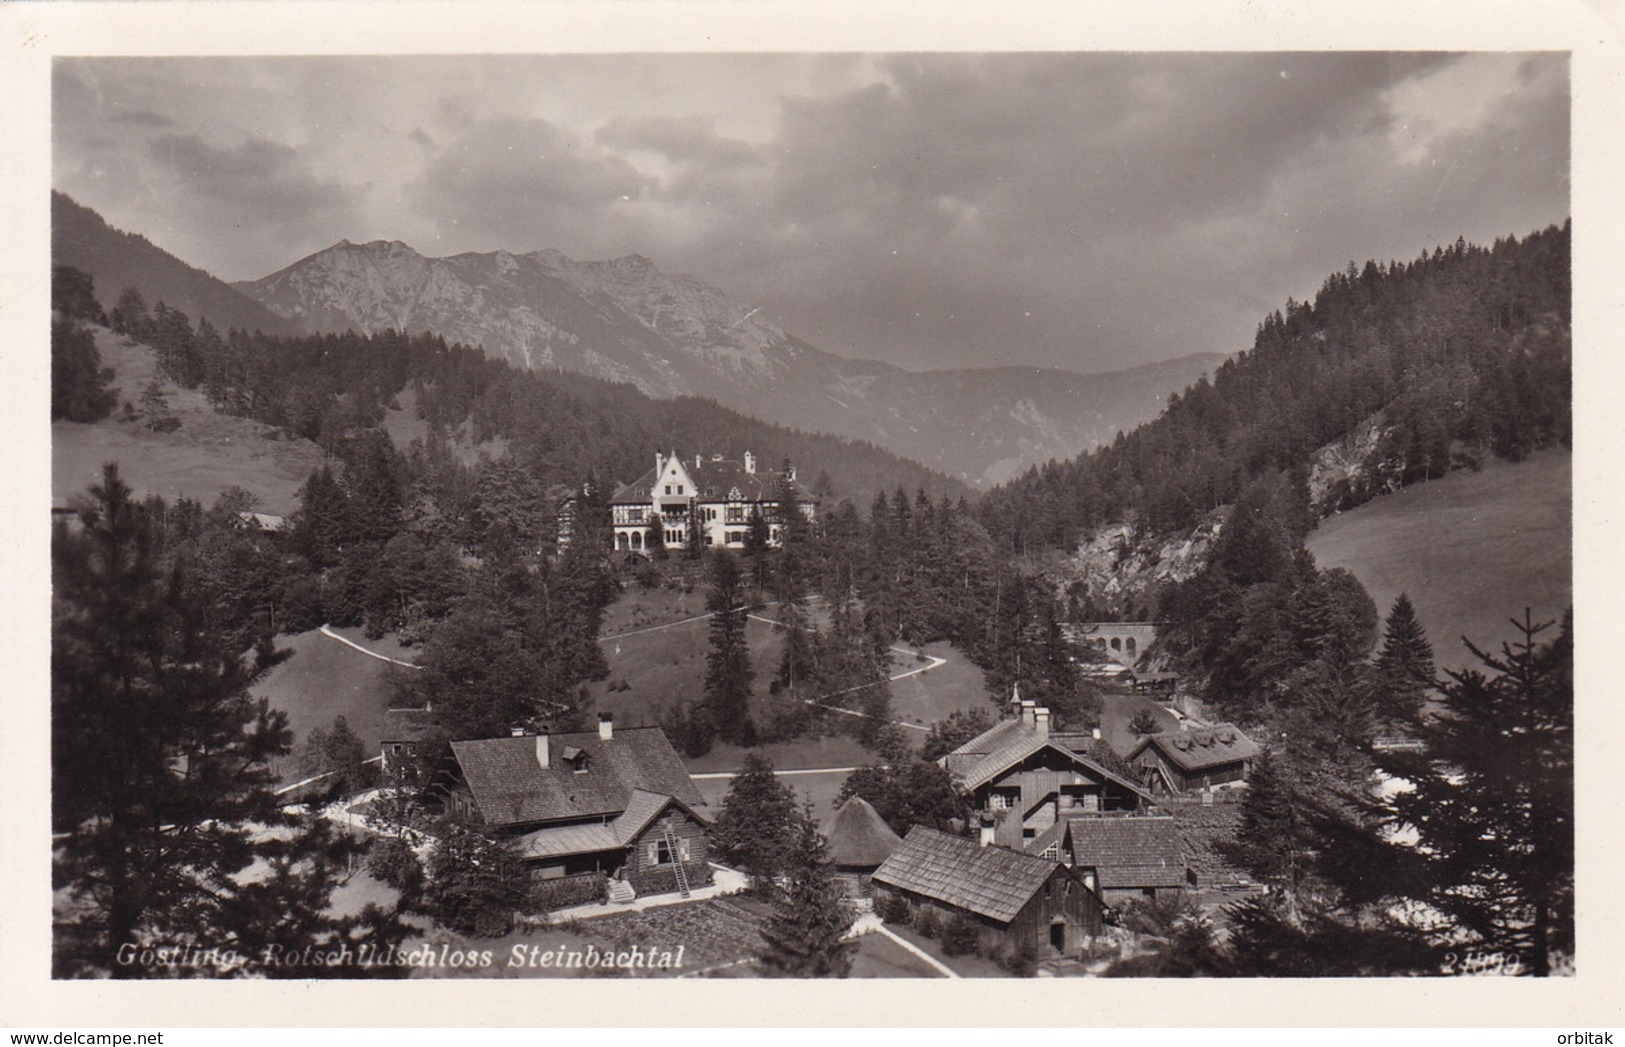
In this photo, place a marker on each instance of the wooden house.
(1119, 858)
(1015, 900)
(621, 804)
(1184, 761)
(860, 841)
(1022, 779)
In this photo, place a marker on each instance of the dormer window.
(576, 757)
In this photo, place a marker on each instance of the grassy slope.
(1471, 549)
(324, 679)
(209, 453)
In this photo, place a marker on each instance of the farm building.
(583, 803)
(1016, 900)
(1120, 858)
(1023, 779)
(1184, 761)
(859, 842)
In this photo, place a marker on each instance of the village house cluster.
(1063, 827)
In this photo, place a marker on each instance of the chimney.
(518, 732)
(750, 463)
(985, 837)
(606, 726)
(660, 464)
(1041, 721)
(1096, 733)
(696, 461)
(542, 759)
(1027, 716)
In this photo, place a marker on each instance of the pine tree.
(1493, 803)
(727, 665)
(811, 915)
(162, 792)
(1404, 665)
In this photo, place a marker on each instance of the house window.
(679, 488)
(660, 852)
(1000, 800)
(668, 488)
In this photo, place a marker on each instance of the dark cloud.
(520, 183)
(688, 140)
(143, 117)
(262, 179)
(1083, 210)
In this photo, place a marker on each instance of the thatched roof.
(860, 839)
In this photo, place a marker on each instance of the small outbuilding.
(860, 841)
(1185, 761)
(1122, 859)
(1015, 900)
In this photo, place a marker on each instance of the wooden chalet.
(1185, 761)
(1119, 858)
(617, 803)
(1015, 899)
(860, 841)
(1022, 779)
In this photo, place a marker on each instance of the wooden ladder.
(677, 860)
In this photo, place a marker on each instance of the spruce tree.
(811, 915)
(757, 821)
(1493, 799)
(727, 665)
(1404, 665)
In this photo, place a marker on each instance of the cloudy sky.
(1090, 211)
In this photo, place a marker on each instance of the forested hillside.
(117, 260)
(561, 428)
(1413, 369)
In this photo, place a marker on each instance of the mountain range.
(672, 335)
(669, 335)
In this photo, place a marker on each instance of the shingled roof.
(558, 840)
(1129, 852)
(860, 838)
(1200, 749)
(511, 787)
(1010, 741)
(715, 480)
(990, 881)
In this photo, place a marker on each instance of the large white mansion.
(719, 493)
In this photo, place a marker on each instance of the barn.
(1015, 900)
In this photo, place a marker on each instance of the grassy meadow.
(1472, 550)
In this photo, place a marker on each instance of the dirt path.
(329, 633)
